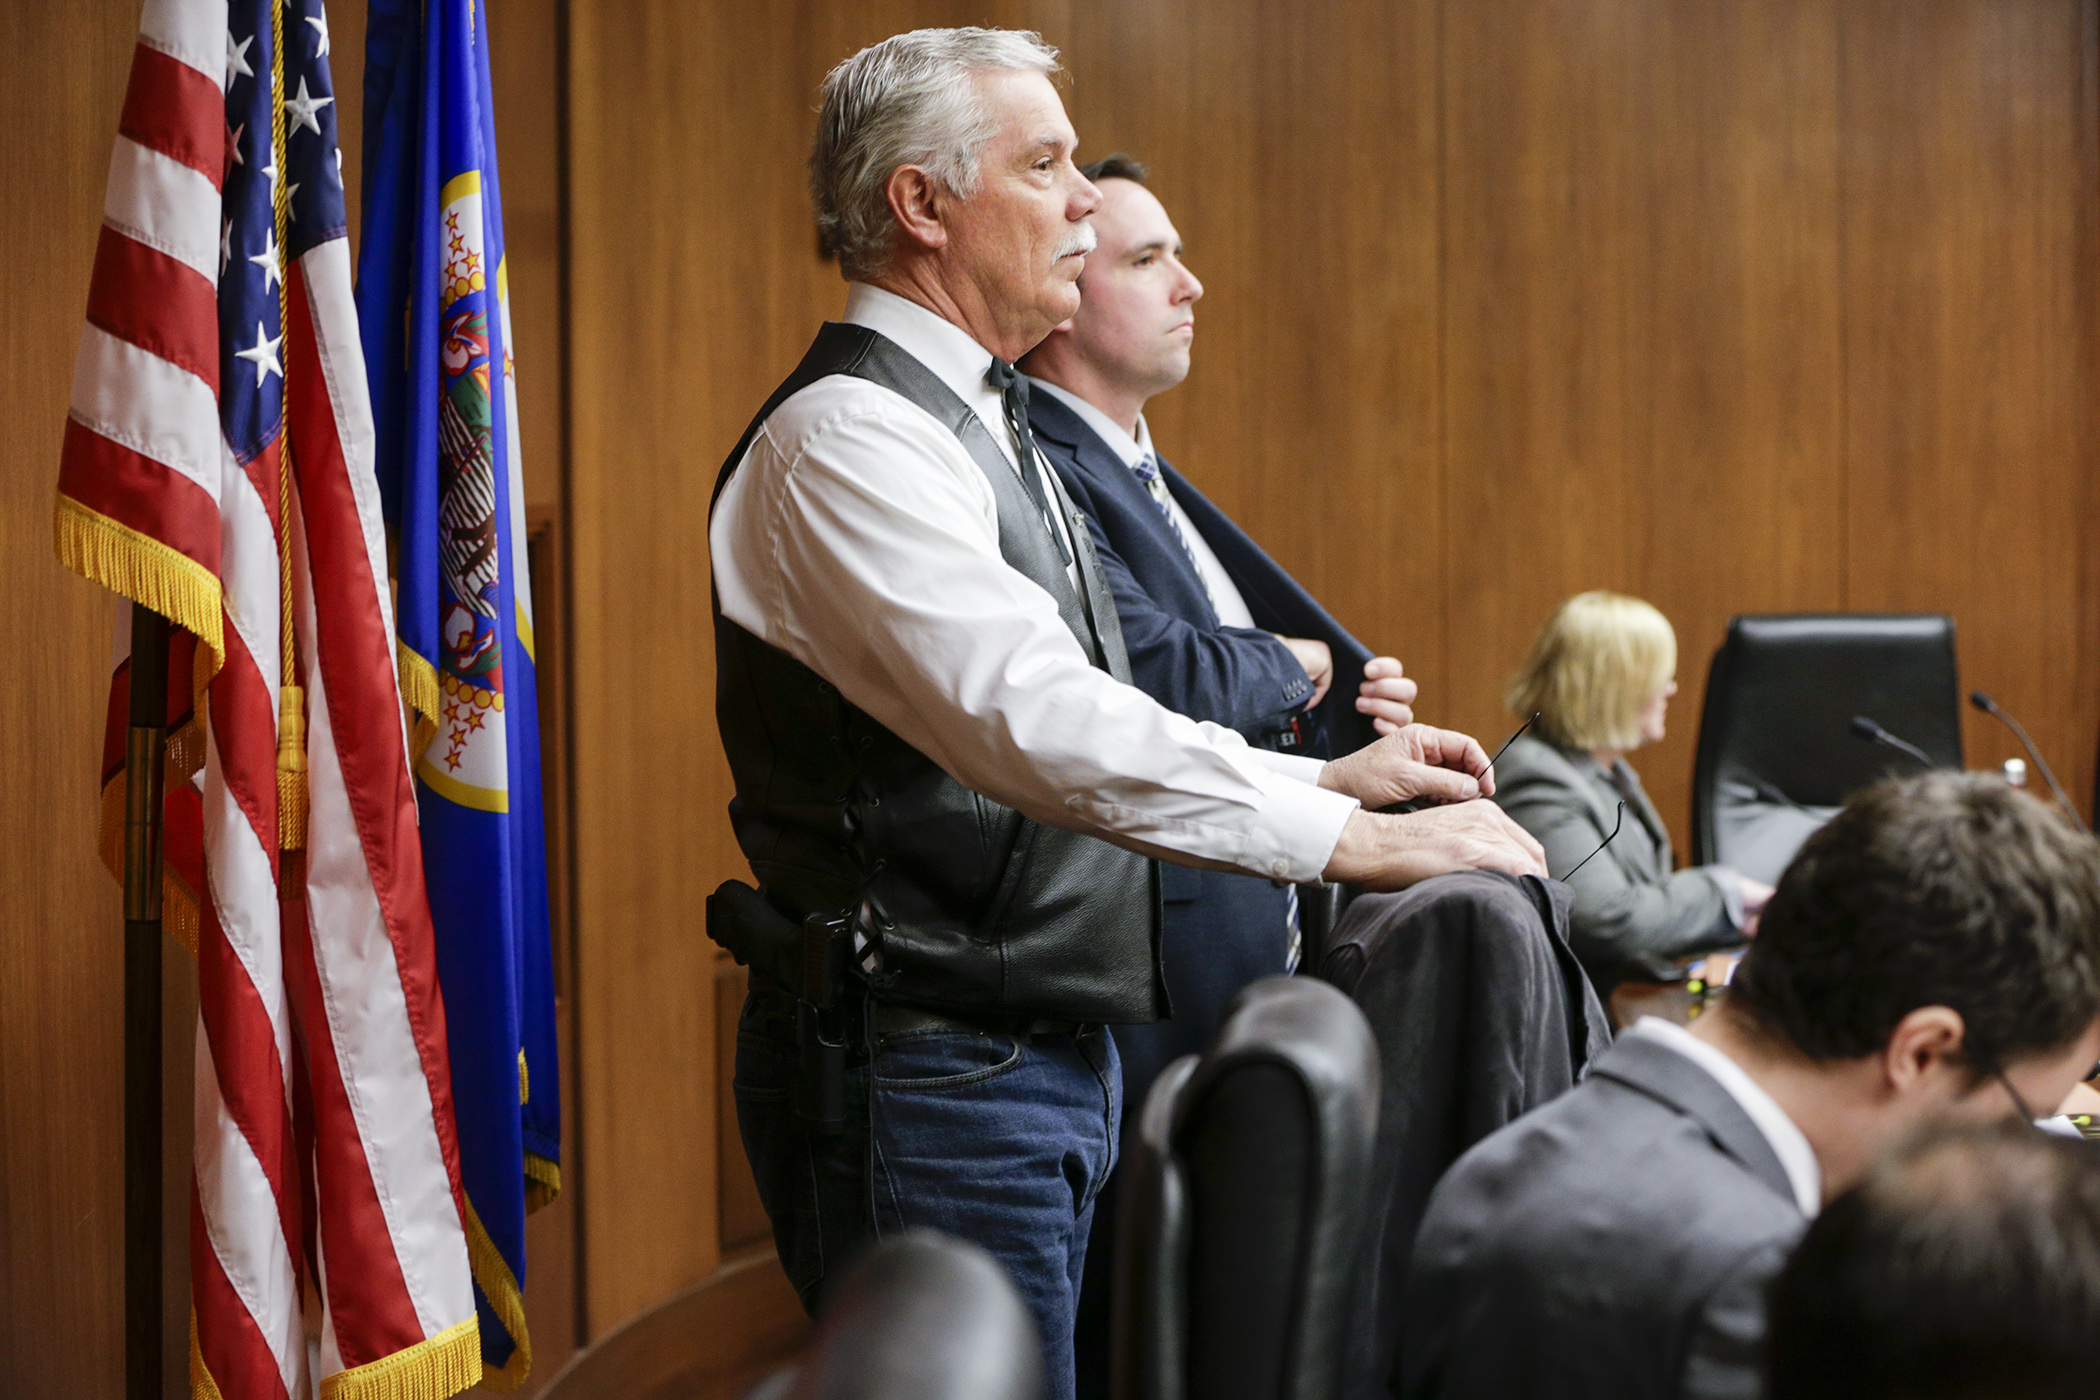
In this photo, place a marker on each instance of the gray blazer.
(1634, 915)
(1612, 1245)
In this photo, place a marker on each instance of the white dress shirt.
(861, 538)
(1225, 597)
(1803, 1172)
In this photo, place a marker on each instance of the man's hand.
(1416, 760)
(1386, 695)
(1392, 852)
(1318, 662)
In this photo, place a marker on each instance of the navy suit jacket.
(1219, 931)
(1180, 654)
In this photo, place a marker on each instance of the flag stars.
(225, 244)
(263, 355)
(233, 143)
(237, 58)
(267, 260)
(304, 110)
(320, 23)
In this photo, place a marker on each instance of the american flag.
(221, 353)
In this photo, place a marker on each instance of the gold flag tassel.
(291, 768)
(291, 697)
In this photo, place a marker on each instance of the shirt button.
(1279, 867)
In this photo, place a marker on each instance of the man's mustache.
(1080, 240)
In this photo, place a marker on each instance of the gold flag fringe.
(419, 692)
(500, 1286)
(542, 1182)
(436, 1369)
(147, 572)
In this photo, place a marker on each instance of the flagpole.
(145, 753)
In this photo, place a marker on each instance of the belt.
(906, 1020)
(893, 1018)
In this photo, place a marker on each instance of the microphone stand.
(1990, 707)
(1873, 733)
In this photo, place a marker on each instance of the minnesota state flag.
(434, 310)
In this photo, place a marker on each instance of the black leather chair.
(919, 1317)
(1776, 753)
(1243, 1219)
(1482, 1014)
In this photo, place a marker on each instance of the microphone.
(1990, 707)
(1767, 791)
(1867, 729)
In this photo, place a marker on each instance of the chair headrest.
(1784, 689)
(923, 1317)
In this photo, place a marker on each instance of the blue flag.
(434, 310)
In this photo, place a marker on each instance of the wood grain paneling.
(1643, 331)
(1970, 255)
(668, 315)
(1312, 413)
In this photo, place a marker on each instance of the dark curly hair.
(1946, 889)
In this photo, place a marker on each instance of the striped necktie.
(1146, 470)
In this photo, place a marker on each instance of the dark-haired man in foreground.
(1932, 955)
(1967, 1267)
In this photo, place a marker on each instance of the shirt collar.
(1803, 1171)
(953, 355)
(1131, 450)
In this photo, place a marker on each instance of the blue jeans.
(1001, 1141)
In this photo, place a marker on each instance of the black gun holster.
(809, 961)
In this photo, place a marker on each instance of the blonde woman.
(1600, 678)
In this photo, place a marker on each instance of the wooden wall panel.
(1296, 149)
(1643, 332)
(1969, 245)
(678, 249)
(62, 79)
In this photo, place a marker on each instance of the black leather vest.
(972, 907)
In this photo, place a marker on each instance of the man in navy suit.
(1215, 629)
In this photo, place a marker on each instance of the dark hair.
(1115, 167)
(1945, 889)
(1966, 1267)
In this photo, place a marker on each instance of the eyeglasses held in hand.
(1512, 739)
(1617, 822)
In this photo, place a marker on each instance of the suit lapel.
(1652, 819)
(1111, 476)
(1668, 1077)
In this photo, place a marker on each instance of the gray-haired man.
(945, 784)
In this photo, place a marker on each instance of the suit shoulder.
(1604, 1171)
(1535, 769)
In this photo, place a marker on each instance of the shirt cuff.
(1289, 765)
(1300, 825)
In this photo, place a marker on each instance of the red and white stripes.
(323, 1115)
